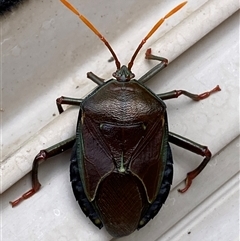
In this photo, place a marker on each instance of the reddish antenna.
(74, 10)
(151, 32)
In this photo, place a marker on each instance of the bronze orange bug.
(121, 166)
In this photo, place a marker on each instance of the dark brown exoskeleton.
(121, 165)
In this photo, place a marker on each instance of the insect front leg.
(152, 72)
(195, 148)
(42, 156)
(95, 78)
(76, 101)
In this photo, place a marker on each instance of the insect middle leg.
(195, 97)
(40, 157)
(195, 148)
(67, 100)
(174, 93)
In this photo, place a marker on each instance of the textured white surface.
(54, 59)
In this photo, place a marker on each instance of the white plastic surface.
(50, 57)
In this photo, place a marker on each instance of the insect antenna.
(151, 32)
(74, 10)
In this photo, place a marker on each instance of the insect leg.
(195, 148)
(95, 78)
(40, 157)
(195, 97)
(154, 70)
(67, 100)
